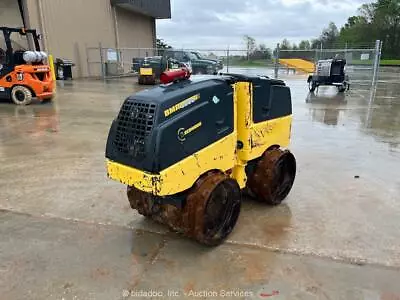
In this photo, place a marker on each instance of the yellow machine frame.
(223, 155)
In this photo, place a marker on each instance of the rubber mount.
(273, 177)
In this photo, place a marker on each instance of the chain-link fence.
(362, 61)
(109, 62)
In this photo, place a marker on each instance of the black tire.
(152, 81)
(21, 95)
(140, 80)
(312, 86)
(199, 72)
(147, 80)
(274, 176)
(342, 88)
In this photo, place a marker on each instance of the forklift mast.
(7, 31)
(22, 12)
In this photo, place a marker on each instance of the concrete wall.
(70, 26)
(135, 31)
(10, 17)
(9, 14)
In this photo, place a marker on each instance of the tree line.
(375, 21)
(255, 51)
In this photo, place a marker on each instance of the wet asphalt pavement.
(67, 232)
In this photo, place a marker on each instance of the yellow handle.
(52, 70)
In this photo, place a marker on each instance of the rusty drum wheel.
(210, 213)
(140, 201)
(212, 209)
(146, 205)
(274, 176)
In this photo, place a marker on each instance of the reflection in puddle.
(32, 120)
(374, 111)
(329, 114)
(382, 120)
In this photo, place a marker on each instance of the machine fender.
(27, 86)
(276, 131)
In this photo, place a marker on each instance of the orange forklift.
(24, 74)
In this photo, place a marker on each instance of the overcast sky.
(216, 24)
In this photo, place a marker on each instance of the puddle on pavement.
(374, 111)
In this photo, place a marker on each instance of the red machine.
(175, 75)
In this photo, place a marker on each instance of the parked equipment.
(186, 150)
(198, 63)
(63, 68)
(330, 72)
(151, 69)
(24, 74)
(198, 59)
(174, 75)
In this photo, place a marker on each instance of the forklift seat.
(19, 57)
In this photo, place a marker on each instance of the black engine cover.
(159, 127)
